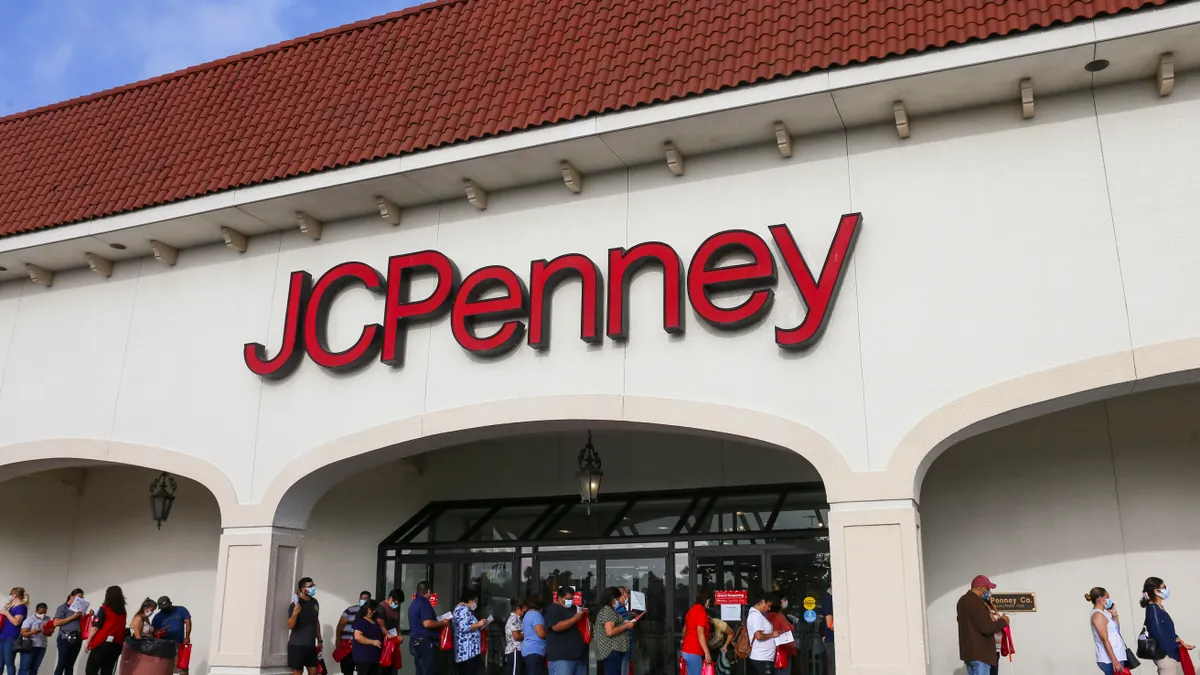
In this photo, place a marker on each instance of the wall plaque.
(1015, 602)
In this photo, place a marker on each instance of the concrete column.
(256, 574)
(878, 588)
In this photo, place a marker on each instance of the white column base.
(878, 588)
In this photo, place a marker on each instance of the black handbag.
(1148, 647)
(1131, 661)
(23, 645)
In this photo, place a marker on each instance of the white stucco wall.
(56, 539)
(1101, 495)
(989, 252)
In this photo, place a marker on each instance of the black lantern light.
(589, 474)
(162, 498)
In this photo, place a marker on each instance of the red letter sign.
(623, 264)
(705, 277)
(400, 311)
(292, 349)
(469, 309)
(316, 319)
(818, 296)
(544, 278)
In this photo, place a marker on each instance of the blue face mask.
(620, 605)
(987, 595)
(312, 591)
(395, 605)
(1108, 603)
(361, 603)
(1164, 593)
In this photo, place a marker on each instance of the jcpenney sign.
(497, 293)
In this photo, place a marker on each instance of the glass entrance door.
(497, 587)
(647, 576)
(801, 578)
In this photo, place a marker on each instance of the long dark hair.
(468, 595)
(1149, 590)
(114, 599)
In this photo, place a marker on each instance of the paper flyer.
(637, 601)
(80, 605)
(731, 612)
(785, 639)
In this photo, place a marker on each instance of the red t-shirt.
(696, 617)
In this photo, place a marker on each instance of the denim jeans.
(8, 658)
(568, 668)
(31, 661)
(424, 655)
(977, 668)
(695, 662)
(535, 664)
(68, 653)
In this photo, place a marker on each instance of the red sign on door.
(578, 598)
(432, 598)
(729, 597)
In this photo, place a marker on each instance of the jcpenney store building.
(866, 299)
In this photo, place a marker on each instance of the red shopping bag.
(388, 654)
(1185, 662)
(1006, 643)
(709, 668)
(585, 628)
(341, 651)
(85, 626)
(630, 666)
(682, 666)
(183, 657)
(447, 639)
(321, 669)
(48, 628)
(781, 660)
(483, 640)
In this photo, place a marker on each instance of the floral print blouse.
(466, 641)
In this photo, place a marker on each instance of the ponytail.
(1149, 590)
(1095, 594)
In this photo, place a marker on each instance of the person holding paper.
(565, 648)
(696, 627)
(304, 620)
(762, 635)
(367, 647)
(611, 635)
(467, 633)
(70, 635)
(423, 628)
(781, 626)
(624, 608)
(388, 618)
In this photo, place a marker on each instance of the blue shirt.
(420, 611)
(172, 622)
(466, 641)
(1162, 628)
(532, 644)
(10, 630)
(826, 610)
(366, 653)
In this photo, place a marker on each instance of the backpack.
(741, 643)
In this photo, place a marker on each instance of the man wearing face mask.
(389, 619)
(565, 648)
(977, 628)
(423, 630)
(304, 644)
(345, 629)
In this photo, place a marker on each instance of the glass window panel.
(683, 595)
(509, 523)
(577, 523)
(651, 517)
(647, 575)
(579, 574)
(739, 513)
(800, 511)
(411, 574)
(449, 525)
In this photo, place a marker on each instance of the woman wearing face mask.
(609, 637)
(1160, 626)
(108, 634)
(696, 627)
(345, 630)
(780, 625)
(467, 633)
(139, 626)
(32, 628)
(514, 635)
(368, 639)
(11, 617)
(1106, 632)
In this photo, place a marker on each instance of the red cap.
(982, 582)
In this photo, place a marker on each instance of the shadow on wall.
(105, 536)
(1103, 494)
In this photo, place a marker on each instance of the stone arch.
(292, 494)
(1037, 394)
(21, 459)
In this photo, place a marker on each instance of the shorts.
(301, 657)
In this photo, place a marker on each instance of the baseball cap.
(164, 601)
(982, 582)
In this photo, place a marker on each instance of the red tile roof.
(447, 72)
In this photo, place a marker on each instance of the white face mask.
(361, 603)
(783, 604)
(472, 605)
(149, 612)
(568, 603)
(40, 615)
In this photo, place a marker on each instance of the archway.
(81, 518)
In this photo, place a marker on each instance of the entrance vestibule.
(667, 545)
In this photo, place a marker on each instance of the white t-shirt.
(760, 650)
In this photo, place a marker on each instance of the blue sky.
(53, 50)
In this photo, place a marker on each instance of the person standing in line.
(762, 635)
(345, 631)
(533, 631)
(1161, 627)
(70, 634)
(139, 625)
(32, 628)
(514, 636)
(108, 634)
(610, 635)
(1106, 633)
(305, 643)
(977, 629)
(827, 633)
(367, 638)
(780, 625)
(388, 618)
(423, 627)
(696, 627)
(626, 613)
(467, 633)
(174, 623)
(11, 617)
(566, 651)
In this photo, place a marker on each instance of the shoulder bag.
(1147, 644)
